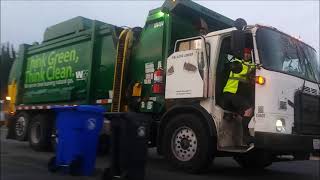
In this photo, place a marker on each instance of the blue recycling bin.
(78, 130)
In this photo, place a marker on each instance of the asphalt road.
(19, 162)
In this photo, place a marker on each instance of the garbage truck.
(174, 68)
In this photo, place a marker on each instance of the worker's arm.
(236, 67)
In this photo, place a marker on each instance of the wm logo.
(81, 75)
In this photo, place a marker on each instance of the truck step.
(239, 149)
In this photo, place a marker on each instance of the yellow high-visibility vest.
(235, 78)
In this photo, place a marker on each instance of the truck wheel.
(21, 126)
(40, 133)
(257, 159)
(187, 144)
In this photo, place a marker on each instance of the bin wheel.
(301, 156)
(75, 166)
(52, 167)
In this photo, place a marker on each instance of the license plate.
(316, 143)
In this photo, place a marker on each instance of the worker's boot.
(247, 139)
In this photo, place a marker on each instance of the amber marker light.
(260, 80)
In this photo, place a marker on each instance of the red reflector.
(104, 101)
(158, 88)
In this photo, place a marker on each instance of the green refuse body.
(75, 62)
(76, 58)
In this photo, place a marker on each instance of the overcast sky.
(25, 22)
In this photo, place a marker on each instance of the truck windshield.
(282, 53)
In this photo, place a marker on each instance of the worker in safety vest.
(238, 91)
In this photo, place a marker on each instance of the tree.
(7, 56)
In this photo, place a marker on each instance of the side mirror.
(237, 43)
(238, 38)
(240, 24)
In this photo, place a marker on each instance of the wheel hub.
(184, 143)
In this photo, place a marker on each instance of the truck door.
(187, 70)
(226, 57)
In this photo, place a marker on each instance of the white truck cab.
(285, 96)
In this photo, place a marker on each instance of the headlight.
(8, 98)
(280, 125)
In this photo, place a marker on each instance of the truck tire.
(187, 144)
(21, 126)
(40, 132)
(257, 159)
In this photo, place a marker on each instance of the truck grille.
(306, 113)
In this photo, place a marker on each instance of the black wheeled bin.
(129, 142)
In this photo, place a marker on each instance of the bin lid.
(97, 109)
(87, 108)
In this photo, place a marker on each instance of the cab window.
(189, 45)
